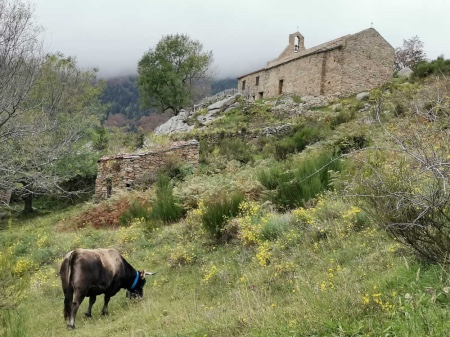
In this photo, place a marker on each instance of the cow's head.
(137, 290)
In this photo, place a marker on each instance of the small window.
(257, 80)
(243, 85)
(261, 95)
(108, 188)
(280, 87)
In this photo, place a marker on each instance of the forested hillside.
(121, 95)
(123, 107)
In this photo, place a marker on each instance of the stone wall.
(368, 62)
(347, 65)
(128, 171)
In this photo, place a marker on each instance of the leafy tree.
(410, 54)
(56, 117)
(169, 74)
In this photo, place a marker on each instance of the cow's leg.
(78, 298)
(105, 306)
(92, 300)
(68, 296)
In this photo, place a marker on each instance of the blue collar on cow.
(135, 281)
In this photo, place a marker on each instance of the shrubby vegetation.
(337, 227)
(440, 66)
(269, 245)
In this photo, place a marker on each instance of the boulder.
(405, 72)
(177, 123)
(362, 96)
(217, 108)
(223, 104)
(276, 130)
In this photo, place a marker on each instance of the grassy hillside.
(300, 256)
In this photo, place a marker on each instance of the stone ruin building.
(344, 66)
(128, 171)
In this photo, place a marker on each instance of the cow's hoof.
(70, 327)
(87, 315)
(104, 313)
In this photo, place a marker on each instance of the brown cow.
(91, 272)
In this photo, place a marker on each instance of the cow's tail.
(65, 273)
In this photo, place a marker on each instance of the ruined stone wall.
(347, 65)
(128, 171)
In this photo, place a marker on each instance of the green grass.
(310, 285)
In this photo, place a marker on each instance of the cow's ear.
(142, 274)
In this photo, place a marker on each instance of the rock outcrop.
(217, 108)
(177, 123)
(180, 123)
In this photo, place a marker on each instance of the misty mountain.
(122, 96)
(222, 84)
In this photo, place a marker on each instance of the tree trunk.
(28, 203)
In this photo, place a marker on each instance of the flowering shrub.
(128, 235)
(181, 256)
(209, 273)
(250, 223)
(264, 253)
(23, 265)
(376, 299)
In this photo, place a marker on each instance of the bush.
(306, 135)
(165, 207)
(351, 143)
(440, 66)
(342, 117)
(236, 149)
(275, 225)
(403, 185)
(290, 187)
(175, 168)
(218, 211)
(136, 210)
(104, 215)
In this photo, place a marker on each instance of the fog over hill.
(243, 35)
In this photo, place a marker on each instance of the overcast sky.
(242, 34)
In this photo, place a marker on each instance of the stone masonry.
(344, 66)
(127, 171)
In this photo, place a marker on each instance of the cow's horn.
(149, 273)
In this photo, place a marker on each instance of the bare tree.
(20, 57)
(410, 54)
(47, 107)
(62, 107)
